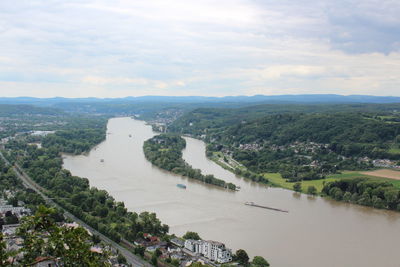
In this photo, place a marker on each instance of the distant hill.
(309, 98)
(150, 107)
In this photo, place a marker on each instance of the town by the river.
(313, 233)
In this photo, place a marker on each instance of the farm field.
(384, 173)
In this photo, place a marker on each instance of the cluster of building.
(10, 217)
(164, 118)
(7, 210)
(298, 147)
(386, 163)
(187, 251)
(250, 147)
(305, 147)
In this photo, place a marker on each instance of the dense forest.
(165, 151)
(74, 141)
(363, 191)
(338, 128)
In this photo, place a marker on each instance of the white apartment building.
(215, 251)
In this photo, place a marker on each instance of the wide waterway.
(316, 231)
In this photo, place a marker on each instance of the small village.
(386, 163)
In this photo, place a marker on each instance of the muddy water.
(315, 232)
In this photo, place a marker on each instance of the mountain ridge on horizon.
(281, 99)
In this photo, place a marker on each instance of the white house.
(215, 251)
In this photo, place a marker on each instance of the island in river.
(165, 151)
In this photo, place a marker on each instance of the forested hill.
(299, 142)
(354, 133)
(202, 120)
(343, 128)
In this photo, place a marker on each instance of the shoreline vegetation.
(165, 151)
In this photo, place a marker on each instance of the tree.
(154, 260)
(242, 257)
(139, 250)
(311, 190)
(338, 194)
(260, 262)
(4, 254)
(297, 187)
(191, 235)
(175, 262)
(71, 245)
(158, 253)
(391, 197)
(347, 196)
(121, 259)
(96, 239)
(11, 219)
(13, 201)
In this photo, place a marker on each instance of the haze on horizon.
(83, 48)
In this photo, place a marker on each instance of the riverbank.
(276, 180)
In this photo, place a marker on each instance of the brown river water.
(315, 232)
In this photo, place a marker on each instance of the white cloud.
(170, 47)
(277, 72)
(97, 80)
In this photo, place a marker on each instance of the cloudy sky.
(105, 48)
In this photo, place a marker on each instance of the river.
(316, 231)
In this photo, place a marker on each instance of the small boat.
(130, 135)
(181, 186)
(102, 160)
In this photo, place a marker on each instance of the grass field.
(277, 180)
(394, 150)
